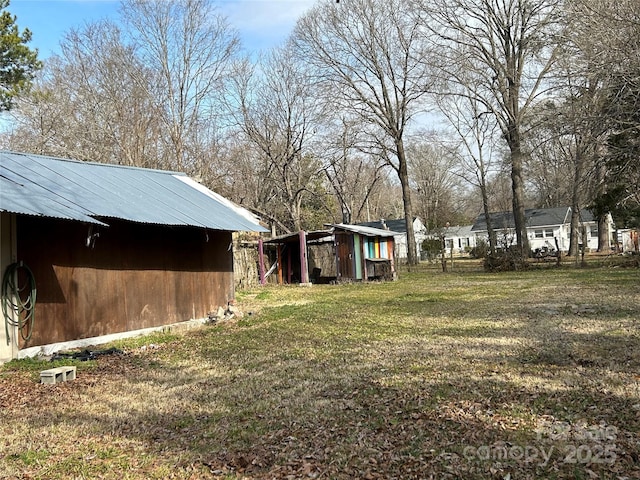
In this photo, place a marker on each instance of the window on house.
(594, 232)
(548, 232)
(539, 233)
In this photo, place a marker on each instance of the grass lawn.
(463, 375)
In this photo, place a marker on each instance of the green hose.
(19, 310)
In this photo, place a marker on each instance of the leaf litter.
(404, 389)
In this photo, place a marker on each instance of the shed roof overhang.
(295, 237)
(362, 230)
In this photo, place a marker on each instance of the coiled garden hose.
(19, 299)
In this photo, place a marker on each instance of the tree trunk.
(485, 206)
(604, 234)
(575, 200)
(517, 187)
(403, 175)
(346, 215)
(603, 224)
(575, 230)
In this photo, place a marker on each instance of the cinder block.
(52, 376)
(70, 373)
(57, 375)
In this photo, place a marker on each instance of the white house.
(399, 226)
(459, 239)
(544, 227)
(629, 240)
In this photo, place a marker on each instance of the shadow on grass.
(261, 413)
(385, 381)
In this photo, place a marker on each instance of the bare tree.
(563, 162)
(501, 51)
(353, 175)
(244, 179)
(476, 145)
(86, 104)
(144, 94)
(278, 113)
(605, 41)
(190, 46)
(371, 58)
(37, 119)
(433, 168)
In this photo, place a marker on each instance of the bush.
(509, 260)
(432, 247)
(480, 250)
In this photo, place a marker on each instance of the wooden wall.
(132, 276)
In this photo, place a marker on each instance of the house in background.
(113, 251)
(544, 227)
(629, 240)
(459, 240)
(400, 227)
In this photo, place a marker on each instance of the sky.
(261, 23)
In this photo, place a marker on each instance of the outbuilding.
(91, 252)
(364, 253)
(344, 253)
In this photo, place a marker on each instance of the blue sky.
(261, 23)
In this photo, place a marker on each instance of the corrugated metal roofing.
(367, 231)
(295, 237)
(95, 192)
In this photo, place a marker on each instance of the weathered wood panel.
(344, 252)
(133, 276)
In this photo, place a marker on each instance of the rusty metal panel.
(130, 276)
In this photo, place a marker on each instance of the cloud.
(264, 23)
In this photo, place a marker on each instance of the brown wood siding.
(135, 276)
(344, 251)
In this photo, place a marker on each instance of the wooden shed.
(292, 257)
(110, 250)
(364, 253)
(357, 253)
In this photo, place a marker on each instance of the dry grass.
(462, 375)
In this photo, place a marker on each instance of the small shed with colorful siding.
(364, 253)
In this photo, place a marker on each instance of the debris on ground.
(224, 314)
(86, 354)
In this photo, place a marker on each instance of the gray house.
(459, 240)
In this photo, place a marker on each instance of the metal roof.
(295, 237)
(367, 231)
(96, 192)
